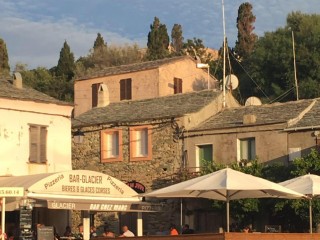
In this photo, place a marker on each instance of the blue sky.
(34, 30)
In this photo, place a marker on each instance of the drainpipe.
(301, 128)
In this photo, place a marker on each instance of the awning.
(79, 190)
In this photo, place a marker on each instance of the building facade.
(35, 131)
(142, 81)
(139, 141)
(270, 133)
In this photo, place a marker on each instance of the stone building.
(139, 140)
(142, 81)
(276, 132)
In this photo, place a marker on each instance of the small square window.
(111, 145)
(140, 143)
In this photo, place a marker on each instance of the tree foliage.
(158, 41)
(177, 39)
(246, 37)
(99, 42)
(66, 65)
(4, 59)
(271, 64)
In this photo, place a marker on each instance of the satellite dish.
(253, 101)
(232, 82)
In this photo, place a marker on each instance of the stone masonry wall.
(159, 172)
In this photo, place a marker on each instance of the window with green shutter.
(205, 154)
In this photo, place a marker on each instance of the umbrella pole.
(228, 215)
(181, 213)
(310, 214)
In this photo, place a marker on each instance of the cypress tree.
(99, 42)
(158, 41)
(4, 59)
(246, 37)
(177, 38)
(66, 65)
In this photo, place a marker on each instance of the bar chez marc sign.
(110, 207)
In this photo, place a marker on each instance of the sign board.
(11, 191)
(45, 233)
(138, 187)
(110, 207)
(82, 183)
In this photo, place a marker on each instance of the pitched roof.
(133, 67)
(148, 109)
(9, 91)
(265, 114)
(311, 118)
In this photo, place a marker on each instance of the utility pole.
(224, 63)
(294, 66)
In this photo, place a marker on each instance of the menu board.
(25, 223)
(45, 233)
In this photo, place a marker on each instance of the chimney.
(249, 118)
(17, 80)
(103, 96)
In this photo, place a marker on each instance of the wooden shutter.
(125, 89)
(33, 143)
(95, 88)
(43, 145)
(177, 85)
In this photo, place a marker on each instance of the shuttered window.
(125, 89)
(111, 145)
(140, 143)
(177, 85)
(38, 144)
(94, 95)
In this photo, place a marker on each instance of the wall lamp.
(78, 136)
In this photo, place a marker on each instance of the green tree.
(99, 42)
(66, 64)
(177, 39)
(271, 65)
(158, 41)
(246, 37)
(298, 210)
(195, 47)
(4, 59)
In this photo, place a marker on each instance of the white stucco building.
(35, 131)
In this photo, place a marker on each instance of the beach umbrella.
(309, 185)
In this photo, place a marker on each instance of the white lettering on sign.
(76, 178)
(109, 207)
(61, 205)
(11, 191)
(54, 181)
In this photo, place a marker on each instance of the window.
(247, 149)
(111, 148)
(204, 155)
(94, 95)
(294, 153)
(140, 143)
(177, 85)
(37, 144)
(125, 89)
